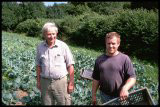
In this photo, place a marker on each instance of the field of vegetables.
(18, 72)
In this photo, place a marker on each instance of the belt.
(52, 78)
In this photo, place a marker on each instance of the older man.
(54, 61)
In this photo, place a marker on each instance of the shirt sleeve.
(130, 71)
(37, 60)
(96, 72)
(68, 56)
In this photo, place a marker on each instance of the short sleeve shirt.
(54, 61)
(112, 72)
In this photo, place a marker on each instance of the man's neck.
(114, 54)
(50, 45)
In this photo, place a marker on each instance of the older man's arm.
(38, 71)
(70, 87)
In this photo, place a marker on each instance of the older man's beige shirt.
(54, 61)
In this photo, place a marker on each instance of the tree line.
(16, 12)
(86, 23)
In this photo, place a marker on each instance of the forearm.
(71, 73)
(38, 71)
(129, 83)
(95, 86)
(70, 86)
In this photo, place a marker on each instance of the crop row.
(18, 72)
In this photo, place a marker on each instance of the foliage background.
(86, 23)
(80, 24)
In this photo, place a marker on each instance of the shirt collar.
(55, 45)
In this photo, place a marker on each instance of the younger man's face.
(112, 45)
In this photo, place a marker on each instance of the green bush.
(30, 27)
(106, 8)
(69, 25)
(93, 29)
(10, 12)
(14, 13)
(76, 8)
(139, 32)
(33, 27)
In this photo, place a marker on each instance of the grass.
(90, 52)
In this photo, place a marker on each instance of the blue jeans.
(105, 98)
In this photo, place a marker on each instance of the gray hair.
(47, 26)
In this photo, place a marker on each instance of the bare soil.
(20, 94)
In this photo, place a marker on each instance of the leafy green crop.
(19, 72)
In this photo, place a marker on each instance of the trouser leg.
(46, 95)
(59, 90)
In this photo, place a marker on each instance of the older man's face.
(50, 36)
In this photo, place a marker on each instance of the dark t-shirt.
(112, 72)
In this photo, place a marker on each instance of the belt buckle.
(56, 78)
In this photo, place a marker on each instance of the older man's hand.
(70, 87)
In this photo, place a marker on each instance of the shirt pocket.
(44, 60)
(59, 59)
